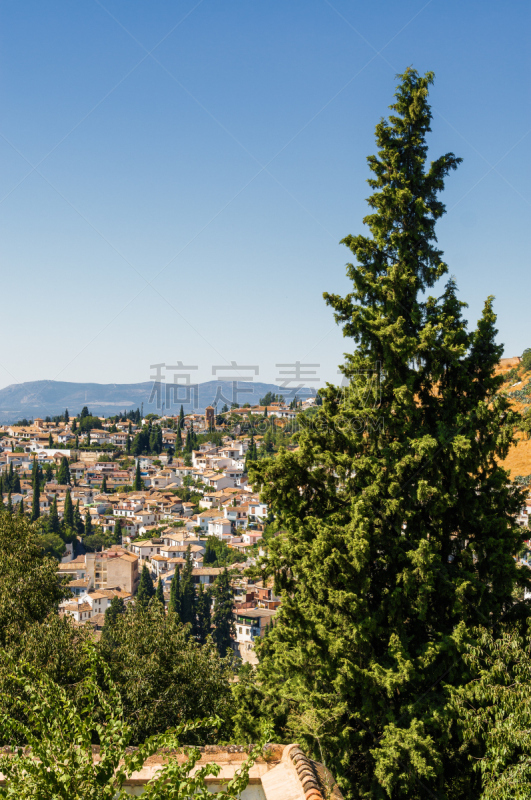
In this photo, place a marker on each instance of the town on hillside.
(130, 503)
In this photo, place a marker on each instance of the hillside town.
(117, 496)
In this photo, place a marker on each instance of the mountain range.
(49, 398)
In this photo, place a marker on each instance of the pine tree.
(88, 523)
(54, 525)
(222, 618)
(398, 522)
(146, 590)
(188, 591)
(174, 605)
(68, 514)
(159, 592)
(63, 476)
(204, 623)
(138, 483)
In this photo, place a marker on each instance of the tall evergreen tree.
(9, 506)
(138, 483)
(174, 604)
(54, 525)
(16, 483)
(128, 445)
(63, 476)
(21, 508)
(74, 425)
(78, 520)
(10, 478)
(104, 485)
(118, 531)
(88, 524)
(50, 440)
(398, 520)
(204, 622)
(67, 417)
(146, 590)
(188, 591)
(223, 618)
(36, 497)
(68, 513)
(181, 418)
(159, 592)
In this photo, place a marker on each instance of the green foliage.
(89, 423)
(138, 483)
(398, 522)
(526, 359)
(52, 545)
(222, 618)
(60, 765)
(146, 590)
(165, 676)
(493, 712)
(29, 588)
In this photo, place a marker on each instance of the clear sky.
(176, 176)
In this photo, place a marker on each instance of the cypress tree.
(88, 523)
(138, 483)
(36, 498)
(16, 483)
(67, 418)
(50, 440)
(223, 618)
(21, 508)
(112, 614)
(181, 418)
(399, 522)
(74, 425)
(68, 515)
(53, 518)
(88, 438)
(188, 591)
(78, 520)
(128, 445)
(63, 476)
(10, 478)
(104, 485)
(204, 623)
(159, 592)
(9, 506)
(118, 531)
(146, 590)
(174, 604)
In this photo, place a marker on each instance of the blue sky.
(176, 176)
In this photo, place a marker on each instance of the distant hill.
(49, 398)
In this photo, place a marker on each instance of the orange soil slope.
(518, 462)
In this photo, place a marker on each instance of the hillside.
(48, 398)
(517, 384)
